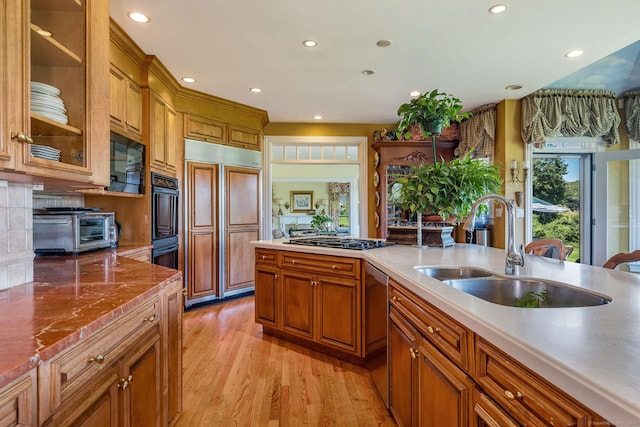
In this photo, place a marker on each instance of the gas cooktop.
(339, 242)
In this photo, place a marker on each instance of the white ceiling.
(455, 46)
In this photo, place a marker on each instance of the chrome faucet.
(514, 257)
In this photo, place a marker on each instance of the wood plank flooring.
(235, 376)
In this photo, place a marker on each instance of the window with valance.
(567, 112)
(478, 133)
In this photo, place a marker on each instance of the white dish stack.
(44, 152)
(46, 101)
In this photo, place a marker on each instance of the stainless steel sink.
(513, 291)
(445, 273)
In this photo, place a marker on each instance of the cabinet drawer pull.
(149, 319)
(264, 257)
(414, 353)
(124, 382)
(99, 359)
(333, 267)
(22, 137)
(432, 330)
(277, 275)
(396, 299)
(185, 292)
(293, 261)
(509, 395)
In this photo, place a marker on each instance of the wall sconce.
(322, 202)
(515, 175)
(279, 202)
(519, 198)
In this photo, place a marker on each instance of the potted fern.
(448, 189)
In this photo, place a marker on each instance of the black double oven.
(165, 196)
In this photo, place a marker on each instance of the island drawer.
(528, 398)
(266, 256)
(67, 373)
(447, 335)
(328, 264)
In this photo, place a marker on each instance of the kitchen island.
(83, 324)
(590, 353)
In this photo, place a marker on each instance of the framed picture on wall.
(301, 201)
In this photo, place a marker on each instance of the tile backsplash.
(17, 202)
(16, 234)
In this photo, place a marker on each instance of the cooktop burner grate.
(339, 243)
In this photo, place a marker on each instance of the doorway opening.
(561, 201)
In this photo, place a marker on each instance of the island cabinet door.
(297, 302)
(403, 367)
(338, 312)
(267, 295)
(444, 391)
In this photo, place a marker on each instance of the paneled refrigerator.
(222, 215)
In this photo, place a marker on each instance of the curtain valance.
(632, 113)
(478, 133)
(567, 112)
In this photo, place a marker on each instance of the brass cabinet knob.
(414, 352)
(124, 382)
(277, 276)
(395, 298)
(264, 257)
(432, 330)
(333, 267)
(20, 136)
(185, 292)
(149, 319)
(293, 261)
(99, 359)
(509, 395)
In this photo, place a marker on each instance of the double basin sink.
(514, 291)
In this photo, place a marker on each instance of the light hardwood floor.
(235, 376)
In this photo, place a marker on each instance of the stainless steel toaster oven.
(72, 232)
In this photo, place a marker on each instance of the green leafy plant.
(533, 299)
(319, 222)
(449, 189)
(430, 108)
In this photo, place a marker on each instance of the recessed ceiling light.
(188, 80)
(498, 8)
(414, 93)
(317, 117)
(310, 43)
(383, 43)
(255, 90)
(138, 17)
(514, 87)
(574, 53)
(367, 72)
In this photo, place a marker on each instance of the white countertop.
(592, 353)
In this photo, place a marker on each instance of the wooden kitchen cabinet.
(204, 129)
(128, 373)
(313, 297)
(125, 109)
(18, 401)
(267, 290)
(442, 374)
(426, 387)
(74, 59)
(244, 137)
(527, 398)
(162, 135)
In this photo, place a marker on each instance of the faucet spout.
(515, 256)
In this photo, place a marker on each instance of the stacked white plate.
(46, 101)
(44, 152)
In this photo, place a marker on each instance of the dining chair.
(550, 248)
(622, 258)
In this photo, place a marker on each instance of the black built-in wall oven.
(165, 196)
